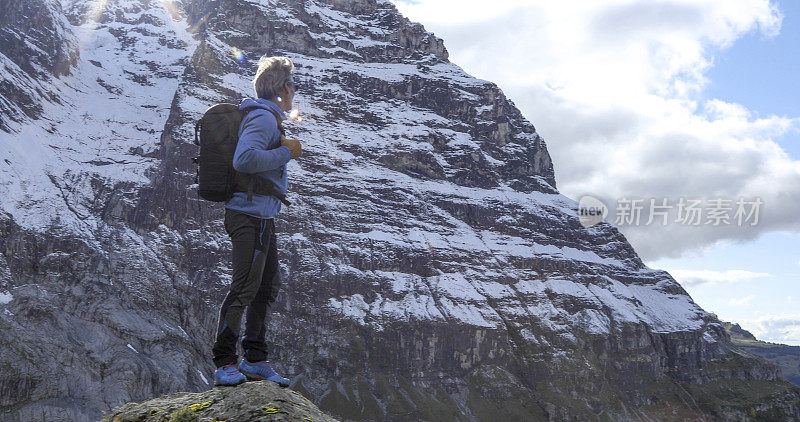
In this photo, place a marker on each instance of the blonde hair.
(272, 73)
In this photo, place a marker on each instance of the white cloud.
(692, 278)
(776, 328)
(744, 300)
(614, 87)
(457, 12)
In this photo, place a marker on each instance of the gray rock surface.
(251, 401)
(431, 269)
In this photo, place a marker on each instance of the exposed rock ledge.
(251, 401)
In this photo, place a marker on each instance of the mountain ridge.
(786, 357)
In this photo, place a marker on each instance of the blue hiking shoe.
(228, 375)
(261, 371)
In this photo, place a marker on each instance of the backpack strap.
(278, 119)
(197, 129)
(250, 178)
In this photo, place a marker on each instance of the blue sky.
(754, 72)
(668, 99)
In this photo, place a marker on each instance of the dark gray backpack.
(217, 134)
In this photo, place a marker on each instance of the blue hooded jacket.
(258, 135)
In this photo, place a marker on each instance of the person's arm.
(252, 155)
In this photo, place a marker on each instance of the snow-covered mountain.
(431, 270)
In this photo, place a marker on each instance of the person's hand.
(294, 146)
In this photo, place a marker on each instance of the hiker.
(261, 150)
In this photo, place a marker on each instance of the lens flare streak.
(295, 115)
(238, 55)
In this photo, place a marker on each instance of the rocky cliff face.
(786, 357)
(431, 270)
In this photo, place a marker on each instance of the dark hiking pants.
(254, 286)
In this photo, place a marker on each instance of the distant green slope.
(787, 357)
